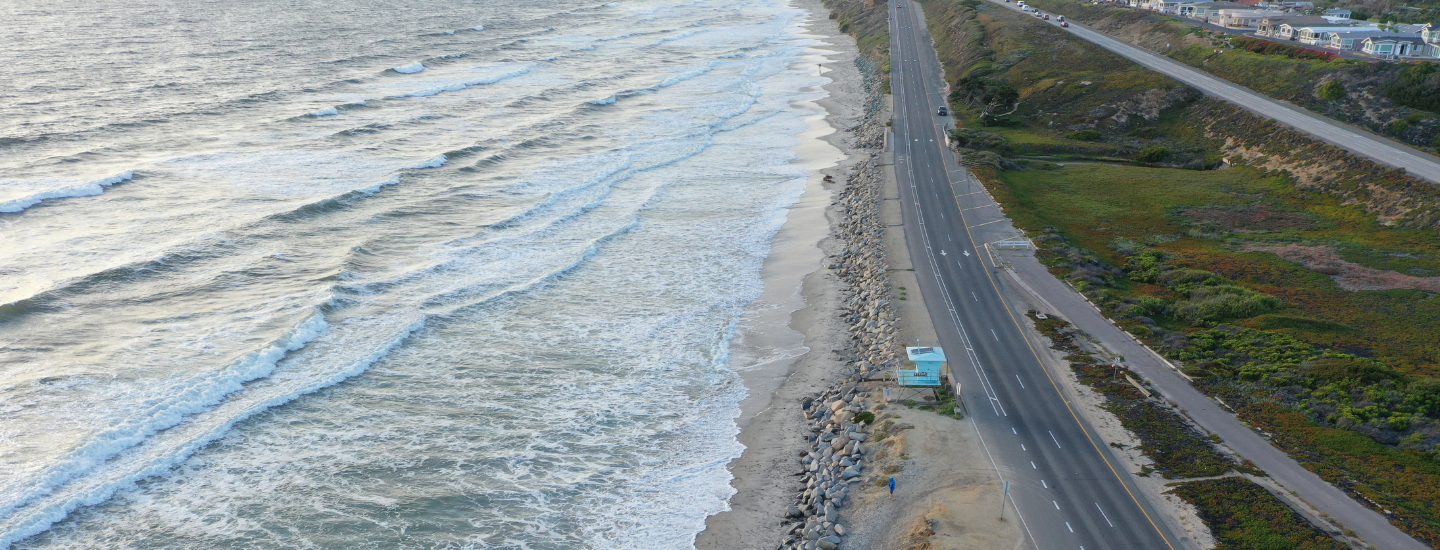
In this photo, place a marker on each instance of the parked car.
(942, 111)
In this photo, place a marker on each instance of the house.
(1270, 26)
(1320, 35)
(1350, 40)
(1168, 6)
(1207, 11)
(1430, 33)
(1244, 19)
(1392, 46)
(1338, 13)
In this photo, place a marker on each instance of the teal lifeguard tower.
(928, 362)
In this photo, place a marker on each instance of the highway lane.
(1336, 133)
(1066, 488)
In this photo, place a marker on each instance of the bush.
(1177, 277)
(1213, 303)
(1418, 87)
(1085, 135)
(1266, 47)
(1331, 91)
(865, 417)
(1153, 154)
(975, 139)
(1331, 370)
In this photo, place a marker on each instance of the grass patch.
(1243, 515)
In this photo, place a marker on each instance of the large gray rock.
(851, 473)
(826, 545)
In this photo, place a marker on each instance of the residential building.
(1392, 46)
(1270, 26)
(1320, 35)
(1337, 12)
(1208, 11)
(1350, 40)
(1244, 19)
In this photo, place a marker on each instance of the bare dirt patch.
(1247, 219)
(1350, 276)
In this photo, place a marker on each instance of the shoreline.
(785, 348)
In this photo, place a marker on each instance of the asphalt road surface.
(1012, 401)
(1066, 488)
(1336, 133)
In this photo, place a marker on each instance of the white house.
(1208, 11)
(1392, 46)
(1350, 40)
(1245, 19)
(1321, 35)
(1338, 13)
(1273, 26)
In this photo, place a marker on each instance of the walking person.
(892, 487)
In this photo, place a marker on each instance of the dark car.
(1064, 24)
(942, 111)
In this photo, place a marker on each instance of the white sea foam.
(63, 191)
(552, 380)
(478, 28)
(461, 84)
(410, 69)
(605, 101)
(325, 112)
(183, 397)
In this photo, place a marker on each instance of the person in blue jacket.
(892, 487)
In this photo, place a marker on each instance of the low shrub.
(1242, 514)
(1085, 135)
(1153, 154)
(1266, 47)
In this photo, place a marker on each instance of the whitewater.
(433, 274)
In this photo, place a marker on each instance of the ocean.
(361, 274)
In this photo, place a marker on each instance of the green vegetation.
(1153, 154)
(1266, 47)
(871, 29)
(1417, 86)
(1345, 380)
(1379, 92)
(1244, 516)
(1179, 451)
(1331, 90)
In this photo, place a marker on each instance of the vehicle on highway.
(1064, 24)
(1038, 14)
(942, 111)
(1047, 17)
(1062, 18)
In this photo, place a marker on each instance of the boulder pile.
(836, 458)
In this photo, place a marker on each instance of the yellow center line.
(1008, 310)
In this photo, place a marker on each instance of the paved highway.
(1067, 490)
(1336, 133)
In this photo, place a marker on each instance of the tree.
(1331, 91)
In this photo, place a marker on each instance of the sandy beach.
(785, 348)
(812, 337)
